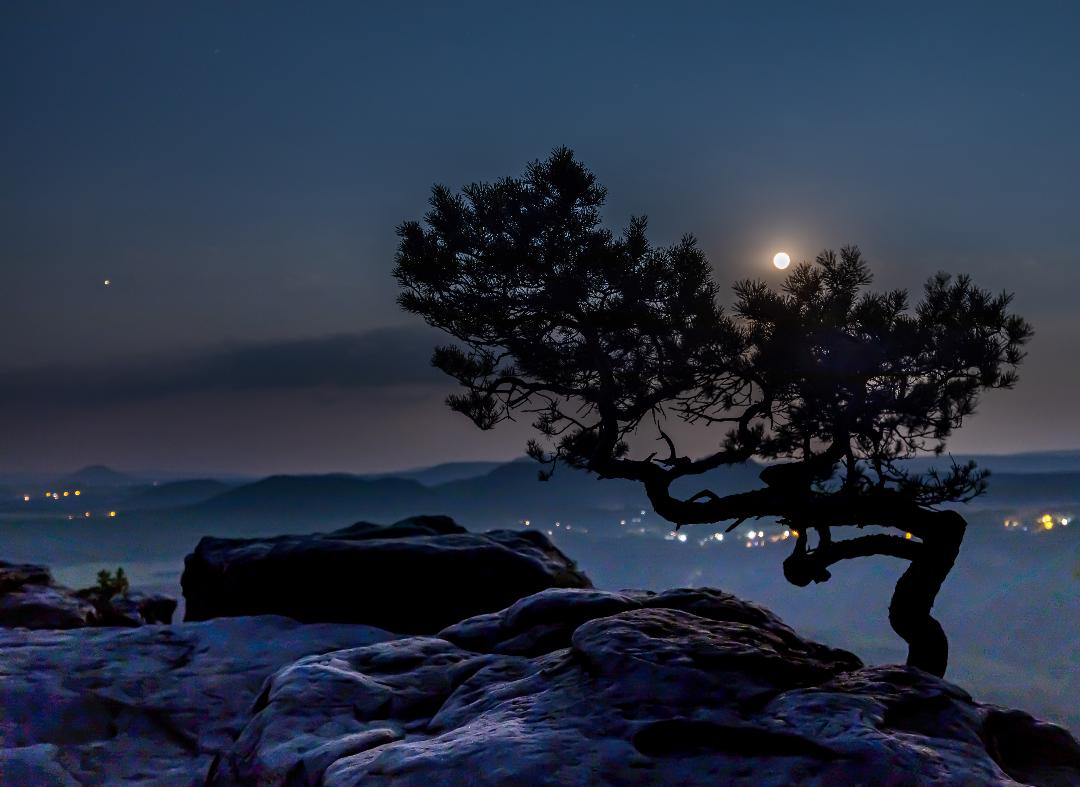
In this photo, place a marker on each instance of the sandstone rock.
(137, 609)
(416, 576)
(16, 576)
(149, 705)
(38, 607)
(586, 687)
(546, 621)
(30, 599)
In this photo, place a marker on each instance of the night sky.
(236, 170)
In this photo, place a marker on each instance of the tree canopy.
(601, 339)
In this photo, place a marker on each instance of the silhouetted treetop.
(602, 339)
(860, 377)
(591, 333)
(552, 307)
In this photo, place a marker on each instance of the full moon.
(781, 260)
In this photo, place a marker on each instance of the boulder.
(29, 598)
(135, 608)
(415, 576)
(43, 607)
(17, 576)
(150, 705)
(586, 687)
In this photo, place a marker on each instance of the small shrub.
(109, 584)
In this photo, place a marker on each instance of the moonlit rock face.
(583, 686)
(149, 705)
(781, 260)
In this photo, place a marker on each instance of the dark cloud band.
(379, 358)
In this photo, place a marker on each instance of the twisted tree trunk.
(917, 589)
(937, 536)
(931, 558)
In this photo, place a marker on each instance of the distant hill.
(317, 500)
(510, 493)
(504, 496)
(485, 494)
(176, 493)
(444, 473)
(96, 476)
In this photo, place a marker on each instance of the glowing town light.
(112, 513)
(66, 494)
(749, 544)
(527, 523)
(26, 498)
(795, 533)
(86, 513)
(681, 537)
(1064, 521)
(907, 536)
(77, 493)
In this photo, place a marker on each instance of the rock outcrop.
(131, 608)
(149, 705)
(571, 687)
(30, 598)
(416, 576)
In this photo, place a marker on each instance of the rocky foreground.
(540, 680)
(587, 687)
(150, 705)
(568, 686)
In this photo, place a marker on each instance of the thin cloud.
(379, 358)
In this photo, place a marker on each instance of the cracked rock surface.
(149, 705)
(591, 687)
(562, 687)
